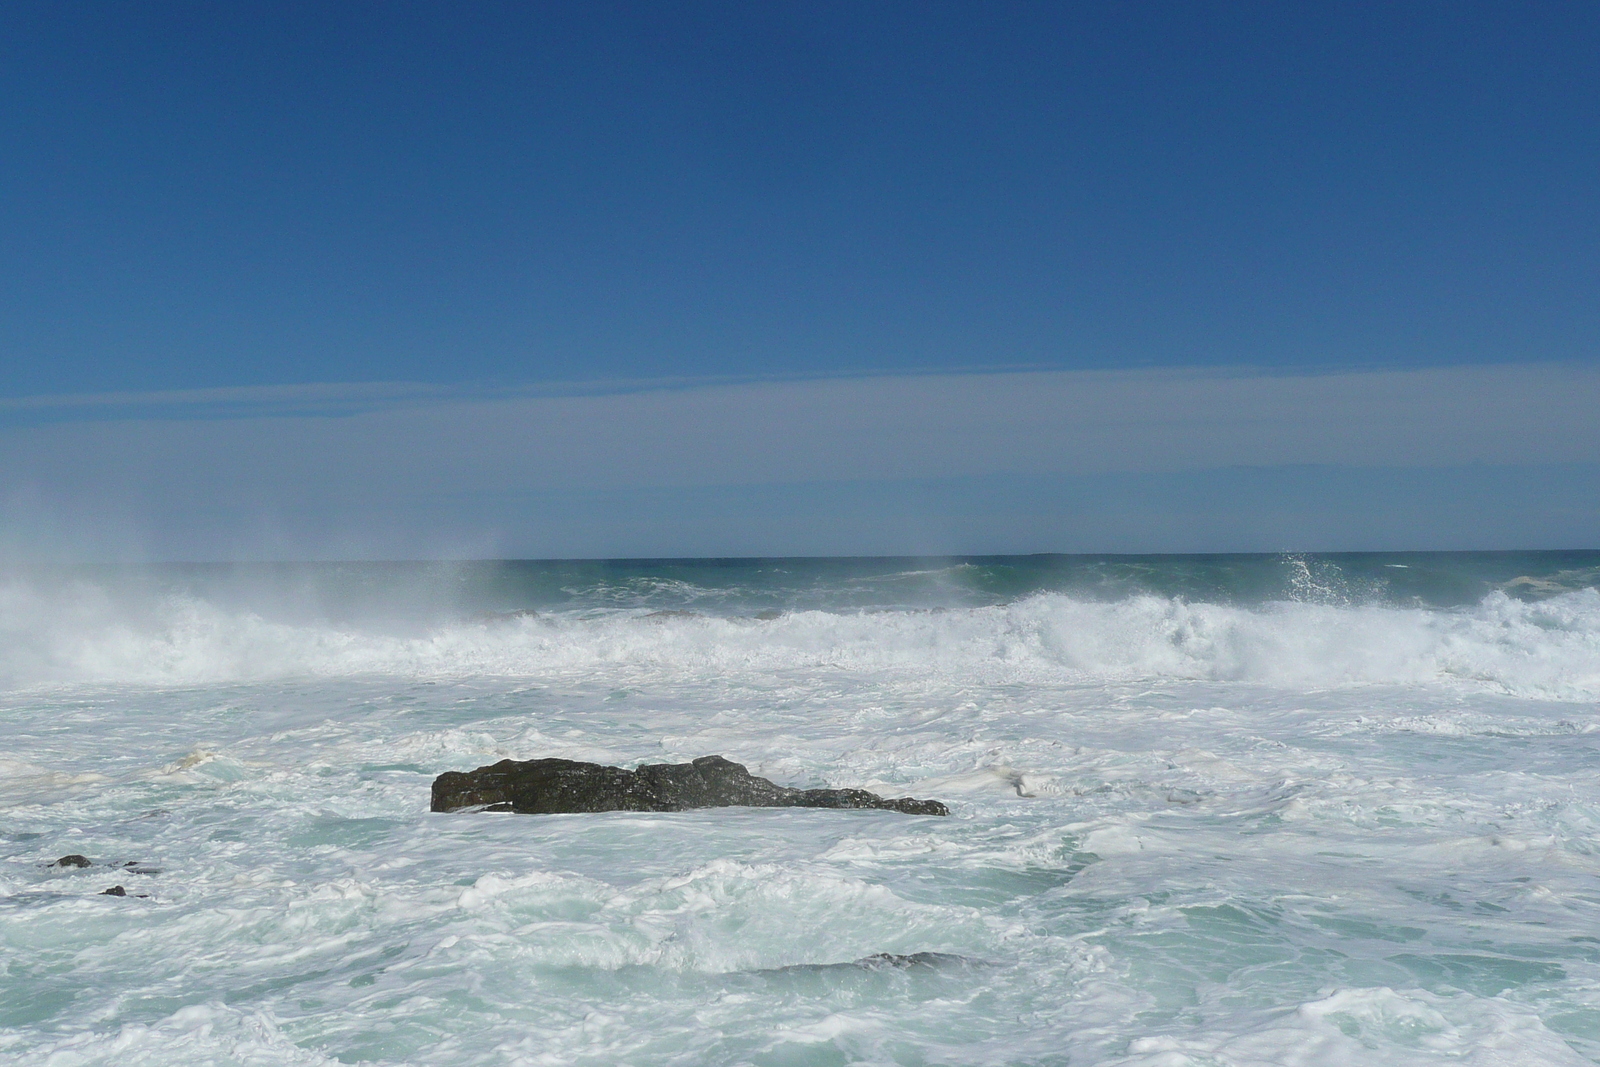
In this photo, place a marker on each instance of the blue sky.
(248, 216)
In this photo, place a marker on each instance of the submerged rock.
(551, 786)
(73, 860)
(880, 960)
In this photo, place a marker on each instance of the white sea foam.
(1347, 1026)
(1550, 648)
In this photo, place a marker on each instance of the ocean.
(1205, 810)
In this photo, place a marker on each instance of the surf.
(1548, 647)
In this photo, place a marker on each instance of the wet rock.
(879, 960)
(552, 786)
(73, 860)
(118, 891)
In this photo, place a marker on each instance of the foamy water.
(1345, 829)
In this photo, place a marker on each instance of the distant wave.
(1547, 648)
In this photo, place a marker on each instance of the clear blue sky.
(1258, 275)
(198, 194)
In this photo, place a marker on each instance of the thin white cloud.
(449, 454)
(862, 428)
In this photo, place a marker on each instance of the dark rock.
(73, 860)
(880, 960)
(551, 786)
(114, 891)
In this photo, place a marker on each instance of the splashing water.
(1317, 823)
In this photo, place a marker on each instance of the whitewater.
(1310, 810)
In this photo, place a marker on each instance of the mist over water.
(1206, 810)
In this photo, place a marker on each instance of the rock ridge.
(559, 786)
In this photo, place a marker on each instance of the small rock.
(73, 860)
(114, 891)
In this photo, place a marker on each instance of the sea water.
(1204, 810)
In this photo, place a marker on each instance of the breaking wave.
(1546, 648)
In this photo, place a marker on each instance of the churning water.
(1205, 810)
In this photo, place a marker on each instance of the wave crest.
(1549, 648)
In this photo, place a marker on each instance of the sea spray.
(1549, 647)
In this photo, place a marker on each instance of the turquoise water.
(439, 591)
(1206, 810)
